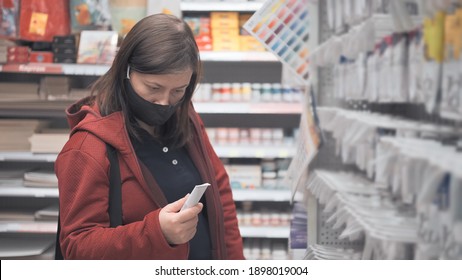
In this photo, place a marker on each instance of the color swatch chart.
(282, 26)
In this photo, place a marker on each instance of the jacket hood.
(84, 115)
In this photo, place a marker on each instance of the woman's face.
(163, 89)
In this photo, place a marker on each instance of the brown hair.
(157, 44)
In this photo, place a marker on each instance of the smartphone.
(195, 196)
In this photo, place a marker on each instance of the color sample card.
(282, 26)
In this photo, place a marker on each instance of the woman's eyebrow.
(183, 86)
(155, 84)
(152, 84)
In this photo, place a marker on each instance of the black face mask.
(147, 112)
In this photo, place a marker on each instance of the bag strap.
(115, 198)
(58, 252)
(115, 191)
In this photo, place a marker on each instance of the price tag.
(234, 153)
(284, 153)
(259, 153)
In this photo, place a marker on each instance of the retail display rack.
(22, 204)
(386, 182)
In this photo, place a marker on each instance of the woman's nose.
(163, 99)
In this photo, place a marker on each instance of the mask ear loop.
(128, 72)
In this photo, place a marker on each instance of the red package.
(40, 20)
(41, 57)
(14, 58)
(18, 50)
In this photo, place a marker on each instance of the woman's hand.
(179, 227)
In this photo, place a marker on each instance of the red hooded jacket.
(82, 168)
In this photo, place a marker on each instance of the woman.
(142, 107)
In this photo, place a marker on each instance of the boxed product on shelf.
(27, 247)
(16, 132)
(97, 47)
(244, 176)
(249, 43)
(65, 58)
(54, 88)
(40, 179)
(64, 49)
(17, 54)
(49, 213)
(41, 57)
(224, 20)
(225, 31)
(298, 227)
(201, 29)
(16, 215)
(68, 41)
(10, 91)
(225, 40)
(18, 50)
(77, 94)
(17, 58)
(48, 142)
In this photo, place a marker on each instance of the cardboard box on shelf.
(224, 20)
(18, 50)
(41, 57)
(17, 58)
(249, 43)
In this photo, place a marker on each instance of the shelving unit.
(219, 67)
(262, 195)
(367, 194)
(97, 70)
(220, 6)
(264, 232)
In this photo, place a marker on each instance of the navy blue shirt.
(176, 175)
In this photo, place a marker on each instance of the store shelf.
(261, 195)
(15, 188)
(28, 227)
(264, 232)
(55, 109)
(237, 56)
(247, 108)
(34, 109)
(244, 6)
(260, 151)
(56, 68)
(27, 156)
(98, 70)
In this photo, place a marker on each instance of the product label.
(38, 23)
(433, 36)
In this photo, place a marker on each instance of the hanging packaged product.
(451, 100)
(125, 14)
(434, 38)
(9, 17)
(416, 57)
(89, 15)
(40, 20)
(399, 69)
